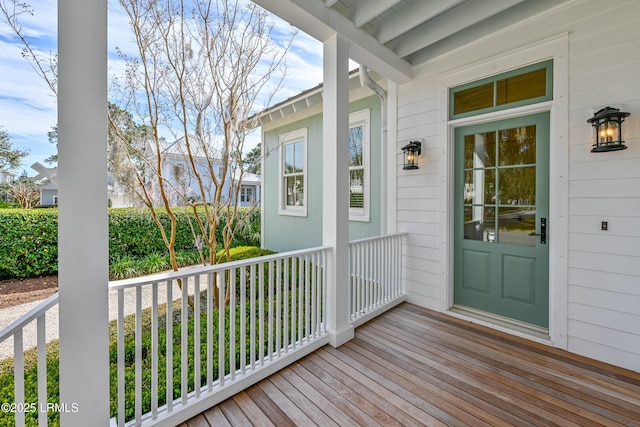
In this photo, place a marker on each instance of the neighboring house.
(250, 188)
(6, 177)
(498, 94)
(182, 184)
(292, 168)
(49, 194)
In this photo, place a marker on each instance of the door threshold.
(503, 323)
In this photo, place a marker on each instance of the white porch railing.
(376, 276)
(40, 406)
(173, 359)
(180, 363)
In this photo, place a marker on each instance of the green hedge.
(29, 243)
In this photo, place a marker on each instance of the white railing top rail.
(31, 315)
(194, 271)
(370, 239)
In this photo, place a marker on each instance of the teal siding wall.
(285, 232)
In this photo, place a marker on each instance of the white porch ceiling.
(393, 36)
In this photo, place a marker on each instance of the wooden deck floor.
(414, 367)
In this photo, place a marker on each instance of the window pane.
(515, 224)
(518, 146)
(295, 190)
(356, 135)
(473, 99)
(479, 186)
(294, 157)
(519, 88)
(480, 150)
(479, 223)
(518, 186)
(356, 188)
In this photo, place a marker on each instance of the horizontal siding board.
(627, 207)
(618, 226)
(613, 319)
(605, 188)
(594, 261)
(606, 244)
(601, 298)
(615, 356)
(622, 167)
(613, 282)
(608, 337)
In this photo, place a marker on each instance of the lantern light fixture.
(411, 152)
(607, 124)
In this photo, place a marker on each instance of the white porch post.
(82, 230)
(335, 195)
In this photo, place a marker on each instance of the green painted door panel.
(501, 199)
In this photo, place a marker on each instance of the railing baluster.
(243, 320)
(169, 346)
(138, 354)
(210, 311)
(261, 313)
(221, 327)
(270, 302)
(121, 361)
(294, 293)
(232, 323)
(285, 304)
(184, 340)
(196, 336)
(18, 376)
(252, 312)
(154, 350)
(278, 310)
(42, 369)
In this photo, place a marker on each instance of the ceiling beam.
(320, 22)
(457, 19)
(411, 16)
(365, 11)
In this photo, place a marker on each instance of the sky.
(28, 107)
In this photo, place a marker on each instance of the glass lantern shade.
(607, 124)
(411, 152)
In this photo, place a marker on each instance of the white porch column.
(82, 230)
(335, 194)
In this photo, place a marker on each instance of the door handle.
(543, 231)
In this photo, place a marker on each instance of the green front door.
(502, 218)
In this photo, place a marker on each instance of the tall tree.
(10, 157)
(202, 69)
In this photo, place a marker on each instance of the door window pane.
(517, 186)
(479, 223)
(515, 225)
(480, 150)
(517, 146)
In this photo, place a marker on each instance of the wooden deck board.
(412, 366)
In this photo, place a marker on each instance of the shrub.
(29, 241)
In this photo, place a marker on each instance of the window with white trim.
(359, 165)
(293, 173)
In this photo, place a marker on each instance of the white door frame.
(555, 48)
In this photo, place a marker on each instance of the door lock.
(543, 231)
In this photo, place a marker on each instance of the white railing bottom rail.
(376, 276)
(38, 404)
(229, 326)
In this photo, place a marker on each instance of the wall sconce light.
(411, 152)
(608, 127)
